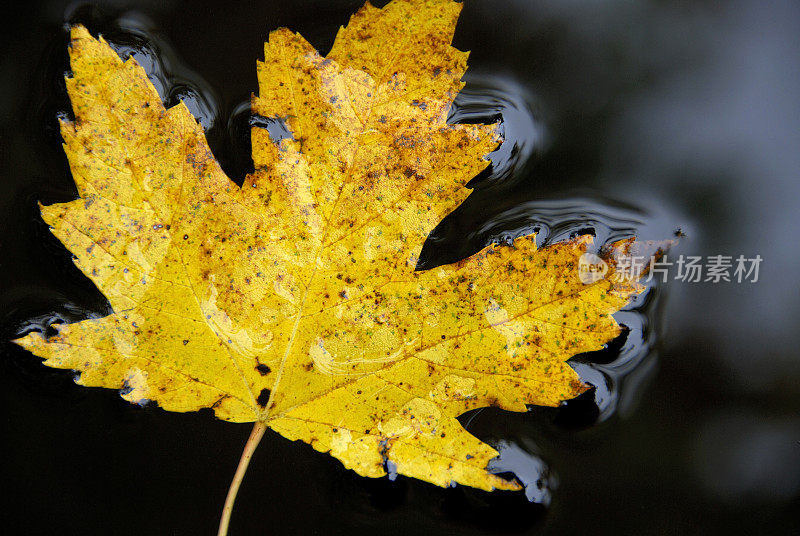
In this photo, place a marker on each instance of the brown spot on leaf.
(263, 397)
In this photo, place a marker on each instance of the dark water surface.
(620, 119)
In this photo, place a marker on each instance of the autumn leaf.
(293, 301)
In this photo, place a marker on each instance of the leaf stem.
(249, 448)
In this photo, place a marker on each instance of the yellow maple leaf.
(293, 301)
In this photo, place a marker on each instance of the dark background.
(624, 117)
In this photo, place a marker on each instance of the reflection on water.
(561, 219)
(489, 99)
(134, 36)
(528, 468)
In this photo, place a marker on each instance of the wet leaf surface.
(295, 299)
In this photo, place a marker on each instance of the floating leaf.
(293, 301)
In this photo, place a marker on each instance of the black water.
(620, 118)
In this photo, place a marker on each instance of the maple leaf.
(294, 301)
